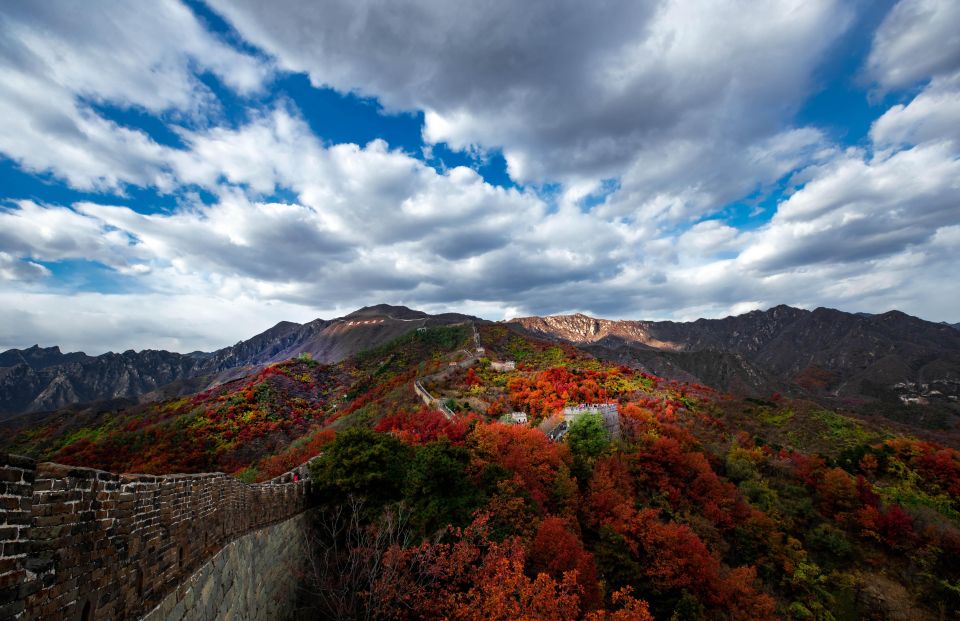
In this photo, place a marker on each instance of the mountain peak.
(35, 349)
(387, 310)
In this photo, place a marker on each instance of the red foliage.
(276, 465)
(425, 425)
(675, 557)
(555, 550)
(629, 609)
(378, 392)
(838, 493)
(227, 428)
(550, 390)
(895, 527)
(936, 465)
(664, 465)
(475, 579)
(736, 595)
(610, 498)
(471, 378)
(538, 464)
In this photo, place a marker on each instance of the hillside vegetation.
(700, 506)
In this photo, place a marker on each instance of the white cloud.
(918, 39)
(54, 233)
(96, 323)
(61, 58)
(857, 210)
(686, 114)
(577, 92)
(370, 224)
(932, 115)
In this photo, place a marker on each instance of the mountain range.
(39, 379)
(824, 353)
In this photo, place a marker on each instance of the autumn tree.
(555, 550)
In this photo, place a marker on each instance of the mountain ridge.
(37, 379)
(822, 352)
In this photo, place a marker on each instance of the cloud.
(55, 233)
(934, 114)
(918, 39)
(96, 323)
(684, 86)
(661, 117)
(857, 209)
(13, 269)
(369, 222)
(62, 59)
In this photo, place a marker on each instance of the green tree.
(362, 463)
(588, 439)
(616, 564)
(437, 488)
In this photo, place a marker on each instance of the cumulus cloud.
(61, 59)
(932, 115)
(13, 269)
(370, 223)
(857, 209)
(660, 117)
(627, 84)
(918, 39)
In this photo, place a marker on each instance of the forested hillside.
(694, 505)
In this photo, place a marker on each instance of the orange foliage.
(475, 579)
(556, 551)
(550, 390)
(628, 609)
(538, 465)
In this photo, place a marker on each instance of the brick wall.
(82, 544)
(255, 578)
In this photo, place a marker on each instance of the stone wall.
(84, 544)
(255, 578)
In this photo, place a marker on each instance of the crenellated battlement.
(79, 543)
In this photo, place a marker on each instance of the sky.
(184, 175)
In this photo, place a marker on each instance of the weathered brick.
(10, 503)
(15, 489)
(14, 548)
(17, 461)
(131, 538)
(11, 474)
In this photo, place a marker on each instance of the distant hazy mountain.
(822, 352)
(36, 378)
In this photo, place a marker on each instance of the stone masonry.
(255, 578)
(82, 544)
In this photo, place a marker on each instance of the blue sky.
(188, 177)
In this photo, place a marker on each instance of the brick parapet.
(79, 541)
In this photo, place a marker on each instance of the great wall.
(81, 544)
(78, 544)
